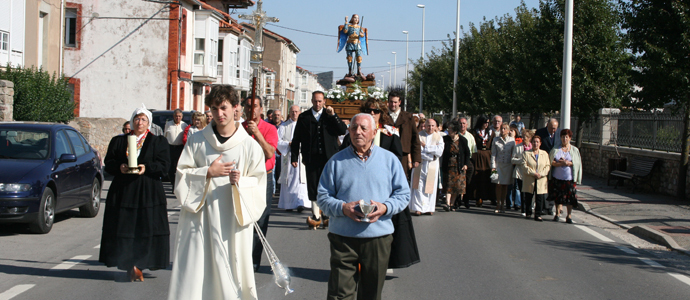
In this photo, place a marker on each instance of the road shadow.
(318, 275)
(112, 274)
(608, 253)
(10, 229)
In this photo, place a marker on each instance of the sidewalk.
(663, 219)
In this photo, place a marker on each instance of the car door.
(66, 174)
(84, 166)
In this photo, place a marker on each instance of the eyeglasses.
(369, 110)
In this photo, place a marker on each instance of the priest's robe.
(215, 232)
(293, 181)
(425, 177)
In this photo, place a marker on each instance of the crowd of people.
(230, 159)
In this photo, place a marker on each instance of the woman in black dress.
(454, 161)
(481, 183)
(136, 235)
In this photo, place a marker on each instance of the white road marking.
(15, 291)
(389, 271)
(70, 262)
(594, 233)
(97, 246)
(627, 250)
(681, 277)
(650, 262)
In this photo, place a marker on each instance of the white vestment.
(215, 232)
(423, 193)
(293, 181)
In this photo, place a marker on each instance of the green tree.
(38, 96)
(659, 36)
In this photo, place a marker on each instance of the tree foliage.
(38, 96)
(659, 36)
(514, 63)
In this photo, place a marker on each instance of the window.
(199, 47)
(71, 27)
(220, 51)
(4, 40)
(61, 144)
(86, 144)
(79, 149)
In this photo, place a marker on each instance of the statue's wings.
(342, 38)
(364, 41)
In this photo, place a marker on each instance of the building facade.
(12, 32)
(307, 83)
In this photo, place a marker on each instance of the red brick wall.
(173, 57)
(77, 86)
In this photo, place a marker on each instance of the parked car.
(160, 117)
(47, 169)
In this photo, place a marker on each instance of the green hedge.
(39, 96)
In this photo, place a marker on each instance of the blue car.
(45, 169)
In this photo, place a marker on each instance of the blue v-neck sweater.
(346, 178)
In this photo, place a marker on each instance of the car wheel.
(90, 209)
(46, 213)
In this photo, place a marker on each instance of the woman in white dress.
(501, 154)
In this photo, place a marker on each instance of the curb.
(639, 231)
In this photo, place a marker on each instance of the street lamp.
(455, 72)
(395, 64)
(389, 75)
(421, 81)
(407, 51)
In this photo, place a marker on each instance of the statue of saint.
(355, 40)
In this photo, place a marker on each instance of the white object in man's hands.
(366, 208)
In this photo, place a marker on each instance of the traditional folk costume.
(425, 177)
(293, 181)
(214, 241)
(135, 222)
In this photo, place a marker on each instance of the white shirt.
(317, 114)
(394, 115)
(174, 133)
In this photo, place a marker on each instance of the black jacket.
(305, 129)
(391, 143)
(462, 157)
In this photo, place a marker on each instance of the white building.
(307, 83)
(12, 32)
(163, 54)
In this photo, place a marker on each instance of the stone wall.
(595, 161)
(6, 100)
(98, 131)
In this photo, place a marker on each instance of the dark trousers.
(313, 171)
(263, 221)
(469, 192)
(346, 254)
(175, 152)
(527, 201)
(406, 166)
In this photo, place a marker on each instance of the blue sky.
(384, 19)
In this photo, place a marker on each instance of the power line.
(376, 40)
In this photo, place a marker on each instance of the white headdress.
(141, 110)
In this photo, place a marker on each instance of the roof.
(228, 21)
(269, 70)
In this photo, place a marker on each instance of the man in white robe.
(293, 181)
(220, 201)
(425, 177)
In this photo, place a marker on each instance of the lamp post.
(407, 51)
(389, 75)
(567, 65)
(421, 80)
(455, 73)
(395, 68)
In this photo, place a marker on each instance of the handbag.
(494, 177)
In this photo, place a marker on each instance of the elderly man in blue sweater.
(361, 172)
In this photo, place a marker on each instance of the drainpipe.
(61, 68)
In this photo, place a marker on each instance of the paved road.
(465, 255)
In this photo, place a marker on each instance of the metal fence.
(655, 130)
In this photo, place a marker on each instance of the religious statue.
(354, 39)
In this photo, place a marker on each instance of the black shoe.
(569, 220)
(539, 219)
(556, 218)
(300, 209)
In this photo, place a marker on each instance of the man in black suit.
(316, 134)
(409, 137)
(550, 138)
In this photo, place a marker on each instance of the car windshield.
(24, 144)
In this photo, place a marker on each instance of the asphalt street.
(468, 254)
